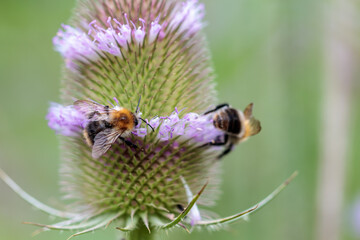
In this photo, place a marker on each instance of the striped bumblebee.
(105, 125)
(236, 125)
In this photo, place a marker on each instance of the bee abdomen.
(228, 121)
(93, 128)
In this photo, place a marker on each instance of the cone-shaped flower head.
(153, 49)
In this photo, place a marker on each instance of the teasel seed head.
(156, 50)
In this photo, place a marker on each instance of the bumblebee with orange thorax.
(105, 125)
(236, 125)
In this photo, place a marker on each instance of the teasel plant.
(116, 52)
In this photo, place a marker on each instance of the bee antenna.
(147, 123)
(110, 103)
(137, 108)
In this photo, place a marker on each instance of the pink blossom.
(65, 120)
(74, 45)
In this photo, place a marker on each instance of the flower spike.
(194, 212)
(61, 227)
(126, 229)
(131, 225)
(100, 225)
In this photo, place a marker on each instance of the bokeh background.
(296, 60)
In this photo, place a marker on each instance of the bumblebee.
(105, 125)
(236, 125)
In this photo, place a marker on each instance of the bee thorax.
(228, 120)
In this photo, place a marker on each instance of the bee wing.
(255, 126)
(103, 141)
(92, 110)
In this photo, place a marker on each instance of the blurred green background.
(269, 52)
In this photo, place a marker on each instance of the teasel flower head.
(115, 52)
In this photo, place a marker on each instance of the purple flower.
(139, 34)
(125, 29)
(118, 35)
(188, 17)
(66, 121)
(154, 30)
(74, 45)
(192, 126)
(107, 40)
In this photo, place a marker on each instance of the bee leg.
(107, 108)
(227, 150)
(91, 115)
(217, 141)
(180, 207)
(130, 144)
(217, 108)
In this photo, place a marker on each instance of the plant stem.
(341, 65)
(140, 233)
